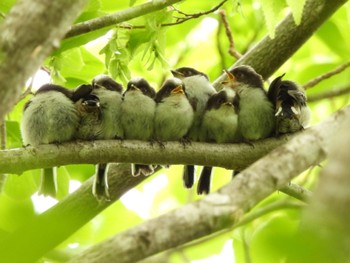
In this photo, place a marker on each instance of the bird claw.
(185, 141)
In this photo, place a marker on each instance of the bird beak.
(228, 104)
(230, 78)
(177, 74)
(178, 90)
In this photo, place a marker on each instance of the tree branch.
(52, 227)
(230, 156)
(327, 75)
(24, 46)
(328, 94)
(224, 208)
(269, 54)
(325, 228)
(118, 17)
(231, 50)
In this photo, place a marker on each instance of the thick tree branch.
(325, 227)
(24, 46)
(121, 16)
(44, 232)
(224, 208)
(231, 156)
(269, 54)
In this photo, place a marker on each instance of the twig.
(329, 94)
(327, 75)
(219, 47)
(246, 249)
(232, 50)
(297, 192)
(93, 24)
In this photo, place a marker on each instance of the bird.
(49, 117)
(198, 90)
(108, 124)
(219, 125)
(138, 108)
(174, 113)
(255, 111)
(291, 110)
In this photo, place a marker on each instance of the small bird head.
(220, 99)
(141, 85)
(90, 103)
(172, 86)
(244, 75)
(185, 72)
(106, 82)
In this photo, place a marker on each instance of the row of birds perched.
(185, 108)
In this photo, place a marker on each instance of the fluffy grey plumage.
(107, 119)
(49, 117)
(291, 110)
(138, 109)
(110, 94)
(255, 111)
(220, 125)
(174, 113)
(198, 90)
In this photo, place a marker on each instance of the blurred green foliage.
(151, 52)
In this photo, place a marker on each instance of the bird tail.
(203, 186)
(100, 187)
(188, 176)
(48, 186)
(141, 169)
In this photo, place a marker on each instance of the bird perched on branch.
(102, 111)
(291, 110)
(198, 90)
(255, 111)
(49, 117)
(220, 125)
(174, 113)
(138, 109)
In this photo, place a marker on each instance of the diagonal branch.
(224, 208)
(327, 75)
(269, 54)
(329, 94)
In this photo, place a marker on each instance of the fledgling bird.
(109, 93)
(174, 113)
(220, 125)
(291, 110)
(198, 90)
(49, 117)
(138, 109)
(255, 111)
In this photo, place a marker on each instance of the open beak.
(178, 90)
(230, 78)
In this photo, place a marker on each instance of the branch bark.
(121, 16)
(224, 208)
(269, 54)
(325, 227)
(24, 46)
(230, 156)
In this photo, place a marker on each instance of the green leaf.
(297, 7)
(14, 138)
(22, 186)
(271, 10)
